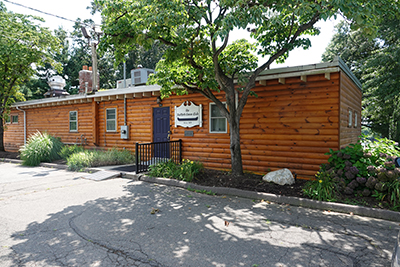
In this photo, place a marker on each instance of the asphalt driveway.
(51, 217)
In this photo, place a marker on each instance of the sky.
(73, 9)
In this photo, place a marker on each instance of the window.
(11, 119)
(218, 122)
(14, 119)
(111, 119)
(355, 119)
(73, 121)
(350, 118)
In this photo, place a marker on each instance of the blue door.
(161, 129)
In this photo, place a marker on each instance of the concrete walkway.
(51, 217)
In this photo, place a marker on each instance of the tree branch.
(279, 53)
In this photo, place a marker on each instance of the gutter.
(24, 111)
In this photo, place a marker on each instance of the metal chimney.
(56, 84)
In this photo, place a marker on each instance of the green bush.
(185, 171)
(40, 147)
(363, 169)
(67, 151)
(112, 157)
(94, 158)
(80, 160)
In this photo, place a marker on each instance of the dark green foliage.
(360, 169)
(376, 62)
(41, 147)
(67, 151)
(185, 171)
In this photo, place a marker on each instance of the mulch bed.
(9, 155)
(249, 181)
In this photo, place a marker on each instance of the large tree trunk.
(236, 153)
(1, 134)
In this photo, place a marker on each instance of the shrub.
(67, 151)
(363, 169)
(185, 171)
(41, 147)
(111, 157)
(94, 158)
(79, 161)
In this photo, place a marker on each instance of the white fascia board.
(110, 92)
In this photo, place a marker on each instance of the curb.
(295, 201)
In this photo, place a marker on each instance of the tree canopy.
(24, 45)
(376, 62)
(200, 56)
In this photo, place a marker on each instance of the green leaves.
(23, 44)
(200, 56)
(375, 61)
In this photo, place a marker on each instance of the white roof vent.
(140, 76)
(56, 83)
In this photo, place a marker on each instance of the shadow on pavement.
(156, 225)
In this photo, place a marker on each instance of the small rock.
(281, 177)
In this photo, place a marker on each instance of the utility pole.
(94, 67)
(93, 46)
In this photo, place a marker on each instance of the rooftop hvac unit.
(120, 83)
(140, 76)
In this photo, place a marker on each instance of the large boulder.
(281, 177)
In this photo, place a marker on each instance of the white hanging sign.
(188, 115)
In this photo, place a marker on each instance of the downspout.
(24, 122)
(124, 95)
(124, 110)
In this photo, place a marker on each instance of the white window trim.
(350, 118)
(69, 125)
(209, 118)
(115, 120)
(355, 119)
(8, 121)
(12, 119)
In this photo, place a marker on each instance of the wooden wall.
(14, 133)
(350, 100)
(288, 125)
(139, 119)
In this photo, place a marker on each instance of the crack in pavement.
(117, 252)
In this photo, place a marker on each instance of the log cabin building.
(299, 114)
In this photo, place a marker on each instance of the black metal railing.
(152, 153)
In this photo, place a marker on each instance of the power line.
(49, 14)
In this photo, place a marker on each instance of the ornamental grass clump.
(40, 147)
(112, 156)
(365, 170)
(95, 158)
(185, 171)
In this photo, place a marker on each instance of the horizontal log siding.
(288, 125)
(55, 121)
(14, 133)
(291, 125)
(350, 96)
(139, 118)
